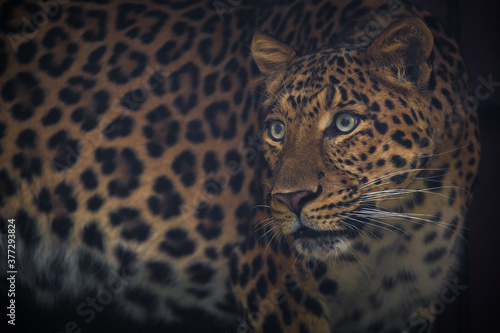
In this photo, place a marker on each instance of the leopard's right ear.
(271, 55)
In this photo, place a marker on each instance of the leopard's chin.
(318, 243)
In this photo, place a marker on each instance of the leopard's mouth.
(305, 232)
(310, 240)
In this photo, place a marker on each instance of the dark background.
(476, 26)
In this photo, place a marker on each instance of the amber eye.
(346, 122)
(276, 130)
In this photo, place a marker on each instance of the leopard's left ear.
(271, 55)
(401, 51)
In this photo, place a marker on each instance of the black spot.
(92, 236)
(139, 232)
(209, 232)
(380, 163)
(430, 237)
(398, 161)
(210, 162)
(434, 179)
(418, 197)
(170, 206)
(26, 52)
(28, 167)
(256, 265)
(69, 96)
(7, 186)
(381, 127)
(272, 324)
(195, 131)
(211, 252)
(121, 126)
(437, 104)
(233, 165)
(285, 311)
(184, 160)
(262, 287)
(316, 267)
(94, 203)
(106, 156)
(123, 187)
(398, 137)
(233, 268)
(52, 117)
(154, 149)
(311, 304)
(172, 133)
(406, 276)
(389, 104)
(184, 164)
(160, 272)
(27, 228)
(68, 151)
(328, 287)
(407, 119)
(64, 192)
(245, 275)
(26, 139)
(200, 273)
(435, 254)
(162, 185)
(122, 215)
(450, 230)
(92, 66)
(271, 270)
(210, 83)
(134, 99)
(375, 107)
(89, 179)
(253, 305)
(177, 244)
(61, 226)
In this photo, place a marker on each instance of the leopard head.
(344, 124)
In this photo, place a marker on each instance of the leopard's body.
(129, 136)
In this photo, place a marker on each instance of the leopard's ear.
(401, 52)
(271, 55)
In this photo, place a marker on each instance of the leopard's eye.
(277, 130)
(346, 122)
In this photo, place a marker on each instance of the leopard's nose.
(295, 201)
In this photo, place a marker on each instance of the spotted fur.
(129, 156)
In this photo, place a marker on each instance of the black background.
(477, 26)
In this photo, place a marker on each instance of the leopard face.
(347, 131)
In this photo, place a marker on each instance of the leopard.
(372, 147)
(133, 162)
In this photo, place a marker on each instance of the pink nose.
(295, 201)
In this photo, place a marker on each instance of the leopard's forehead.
(320, 84)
